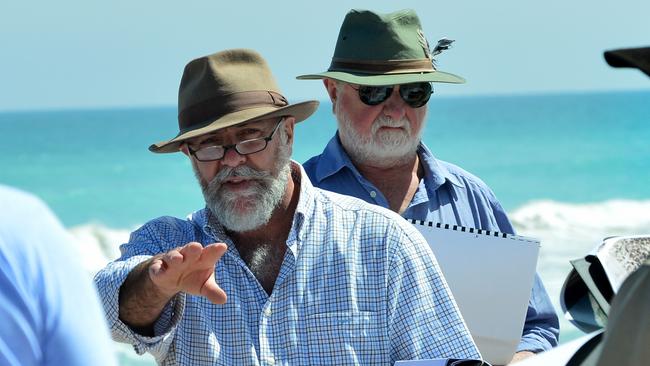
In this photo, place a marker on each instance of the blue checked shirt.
(449, 195)
(358, 286)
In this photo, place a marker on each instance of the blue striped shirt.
(358, 286)
(449, 195)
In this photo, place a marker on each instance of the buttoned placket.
(375, 195)
(268, 355)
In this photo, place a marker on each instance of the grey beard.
(382, 149)
(246, 211)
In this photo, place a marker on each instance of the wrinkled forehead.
(261, 124)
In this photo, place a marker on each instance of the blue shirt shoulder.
(49, 309)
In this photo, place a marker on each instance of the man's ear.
(184, 150)
(330, 86)
(289, 124)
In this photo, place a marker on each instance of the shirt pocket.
(346, 338)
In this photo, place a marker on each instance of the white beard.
(252, 208)
(381, 148)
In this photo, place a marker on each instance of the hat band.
(381, 67)
(217, 107)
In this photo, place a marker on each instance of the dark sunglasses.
(415, 94)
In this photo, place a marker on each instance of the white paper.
(491, 278)
(429, 362)
(432, 362)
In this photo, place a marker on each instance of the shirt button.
(373, 194)
(268, 312)
(269, 361)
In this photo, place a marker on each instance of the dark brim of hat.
(386, 79)
(300, 111)
(630, 57)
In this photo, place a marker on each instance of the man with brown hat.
(273, 270)
(379, 82)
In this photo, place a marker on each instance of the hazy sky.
(85, 53)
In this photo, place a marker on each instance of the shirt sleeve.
(542, 327)
(423, 318)
(142, 245)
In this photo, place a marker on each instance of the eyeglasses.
(217, 152)
(415, 94)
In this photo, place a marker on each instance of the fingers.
(191, 252)
(191, 269)
(182, 258)
(169, 264)
(212, 253)
(213, 292)
(157, 267)
(210, 290)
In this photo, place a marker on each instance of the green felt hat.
(226, 89)
(383, 49)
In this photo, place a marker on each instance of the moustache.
(239, 171)
(384, 121)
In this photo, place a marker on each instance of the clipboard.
(490, 275)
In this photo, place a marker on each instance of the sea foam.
(570, 231)
(98, 244)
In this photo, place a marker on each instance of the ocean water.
(570, 169)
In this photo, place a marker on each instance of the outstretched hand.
(189, 269)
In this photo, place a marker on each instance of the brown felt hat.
(226, 89)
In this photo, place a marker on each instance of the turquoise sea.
(569, 168)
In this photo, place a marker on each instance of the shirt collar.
(434, 172)
(304, 209)
(335, 158)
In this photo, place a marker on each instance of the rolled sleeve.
(108, 282)
(541, 329)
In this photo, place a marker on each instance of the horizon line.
(445, 96)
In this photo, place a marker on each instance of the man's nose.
(394, 106)
(232, 158)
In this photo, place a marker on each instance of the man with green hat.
(379, 81)
(272, 270)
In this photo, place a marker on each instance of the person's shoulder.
(329, 160)
(166, 221)
(312, 162)
(345, 202)
(170, 225)
(374, 223)
(25, 218)
(16, 202)
(470, 180)
(349, 205)
(311, 165)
